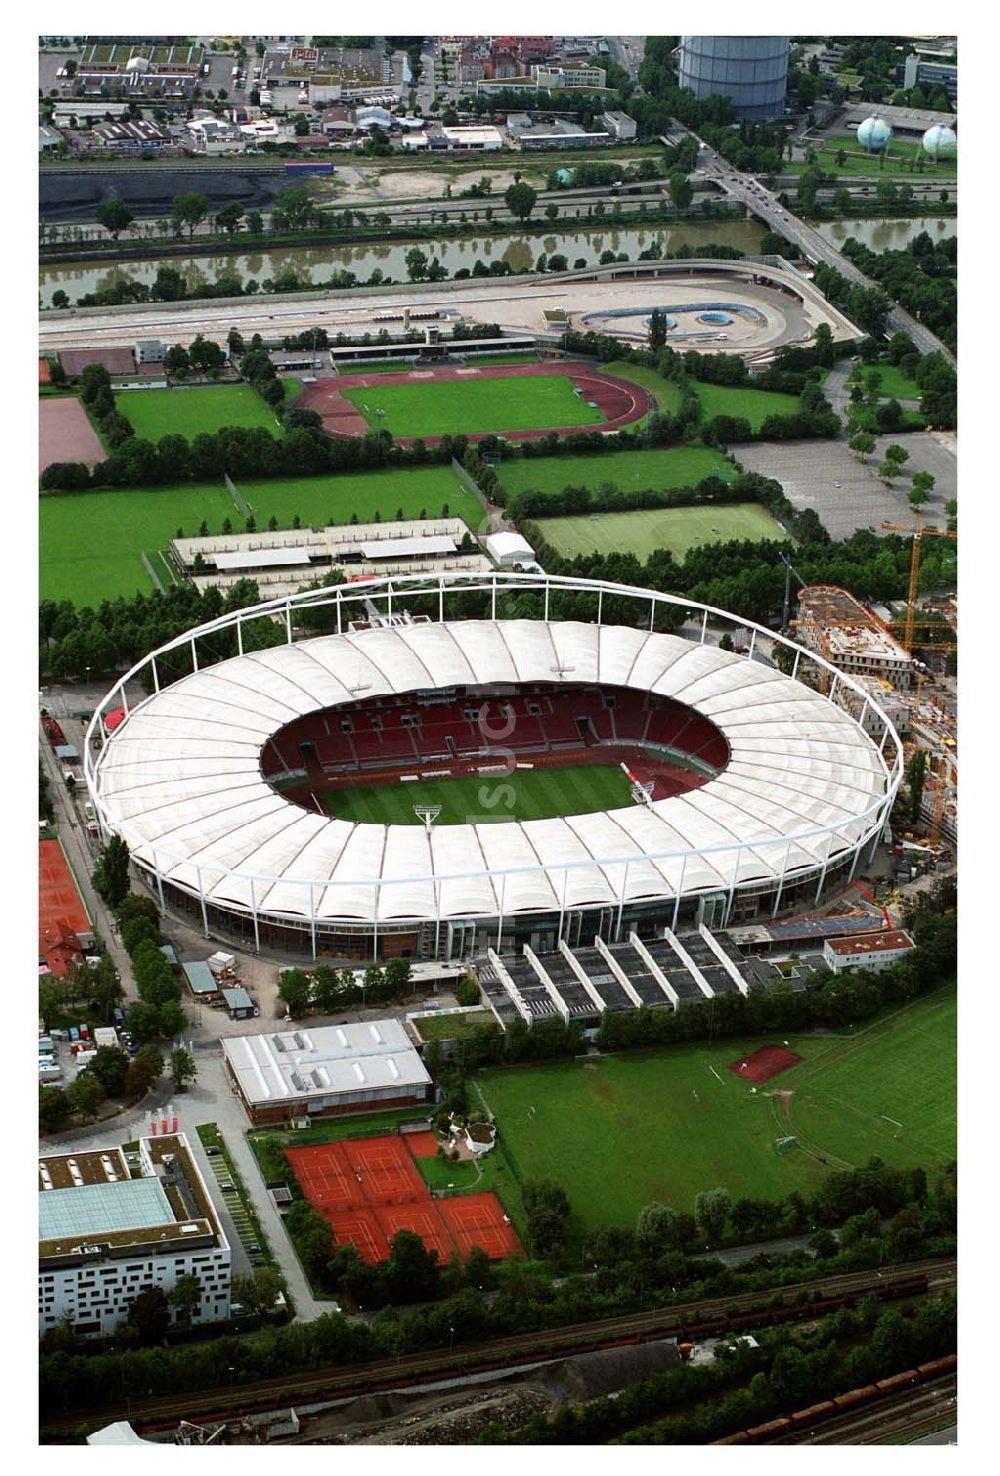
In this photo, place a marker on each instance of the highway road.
(763, 203)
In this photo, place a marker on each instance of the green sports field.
(91, 543)
(627, 1129)
(200, 410)
(749, 404)
(676, 528)
(525, 794)
(682, 466)
(461, 407)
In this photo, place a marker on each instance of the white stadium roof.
(181, 781)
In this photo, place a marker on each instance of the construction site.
(903, 665)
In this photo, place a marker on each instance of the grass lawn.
(682, 466)
(903, 1068)
(475, 405)
(452, 1027)
(526, 794)
(622, 1131)
(199, 410)
(897, 164)
(749, 404)
(862, 417)
(439, 1173)
(664, 391)
(892, 381)
(90, 543)
(676, 528)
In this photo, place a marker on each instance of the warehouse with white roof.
(804, 786)
(309, 1072)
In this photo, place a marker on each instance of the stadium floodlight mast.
(642, 793)
(428, 814)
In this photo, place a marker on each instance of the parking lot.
(847, 493)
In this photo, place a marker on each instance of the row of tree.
(519, 1298)
(329, 991)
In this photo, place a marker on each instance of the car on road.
(254, 1250)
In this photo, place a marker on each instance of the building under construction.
(850, 636)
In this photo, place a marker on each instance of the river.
(318, 263)
(889, 234)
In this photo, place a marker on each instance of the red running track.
(620, 403)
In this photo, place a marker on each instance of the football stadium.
(438, 776)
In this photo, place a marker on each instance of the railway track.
(685, 1321)
(904, 1416)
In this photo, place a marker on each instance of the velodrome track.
(516, 305)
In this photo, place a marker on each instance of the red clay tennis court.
(384, 1170)
(478, 1219)
(326, 1177)
(60, 906)
(367, 1189)
(421, 1145)
(423, 1219)
(360, 1228)
(761, 1065)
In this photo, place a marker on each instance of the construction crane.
(917, 532)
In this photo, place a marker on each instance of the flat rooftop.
(329, 1060)
(129, 1204)
(887, 942)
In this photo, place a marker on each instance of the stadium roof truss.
(180, 779)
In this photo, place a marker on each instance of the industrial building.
(621, 127)
(111, 1224)
(752, 71)
(299, 1074)
(133, 137)
(486, 140)
(568, 76)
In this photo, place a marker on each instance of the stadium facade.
(764, 789)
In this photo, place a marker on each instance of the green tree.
(110, 875)
(416, 264)
(711, 1211)
(913, 777)
(656, 1228)
(145, 1068)
(148, 1318)
(110, 1067)
(182, 1068)
(259, 1291)
(294, 992)
(520, 199)
(681, 190)
(551, 211)
(105, 989)
(189, 210)
(114, 216)
(85, 1095)
(657, 330)
(53, 1108)
(185, 1297)
(467, 991)
(862, 443)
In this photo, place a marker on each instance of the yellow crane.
(917, 532)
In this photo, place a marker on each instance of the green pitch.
(90, 543)
(198, 411)
(676, 528)
(748, 404)
(627, 1129)
(458, 407)
(683, 466)
(525, 794)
